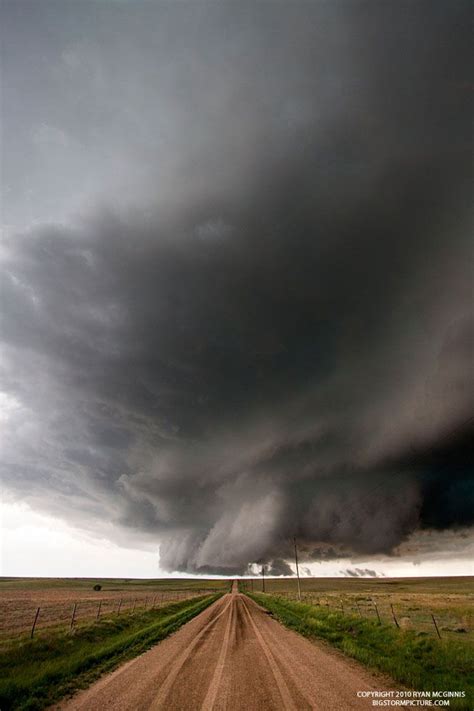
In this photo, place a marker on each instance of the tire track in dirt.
(288, 702)
(209, 701)
(159, 702)
(231, 657)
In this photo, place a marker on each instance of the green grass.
(415, 660)
(446, 586)
(414, 600)
(36, 673)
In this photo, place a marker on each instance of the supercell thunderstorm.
(276, 340)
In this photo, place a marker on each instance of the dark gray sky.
(237, 274)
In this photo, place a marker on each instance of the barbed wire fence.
(28, 620)
(382, 609)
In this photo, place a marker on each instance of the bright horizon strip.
(38, 545)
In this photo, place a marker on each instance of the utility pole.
(297, 570)
(263, 577)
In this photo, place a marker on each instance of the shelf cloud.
(258, 325)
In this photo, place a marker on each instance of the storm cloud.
(258, 325)
(359, 573)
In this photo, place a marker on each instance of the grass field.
(419, 662)
(111, 584)
(414, 600)
(58, 598)
(35, 673)
(135, 614)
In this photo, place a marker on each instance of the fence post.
(146, 602)
(436, 626)
(377, 611)
(342, 607)
(358, 608)
(134, 605)
(34, 623)
(119, 606)
(393, 615)
(73, 616)
(98, 610)
(153, 603)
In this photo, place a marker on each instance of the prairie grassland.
(111, 584)
(34, 673)
(413, 659)
(57, 598)
(414, 600)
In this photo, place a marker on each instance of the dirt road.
(233, 656)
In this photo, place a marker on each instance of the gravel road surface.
(233, 656)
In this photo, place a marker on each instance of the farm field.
(36, 672)
(411, 658)
(60, 660)
(412, 602)
(64, 600)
